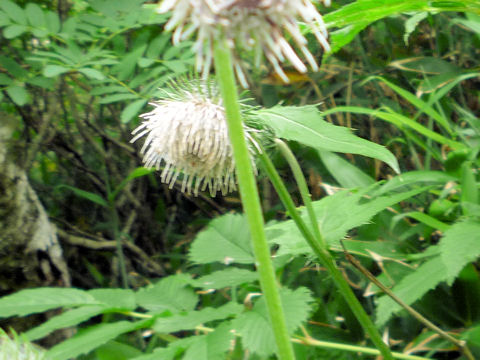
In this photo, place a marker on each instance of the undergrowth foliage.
(160, 274)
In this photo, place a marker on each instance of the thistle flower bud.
(249, 24)
(187, 133)
(18, 349)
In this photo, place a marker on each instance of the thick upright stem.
(251, 199)
(318, 247)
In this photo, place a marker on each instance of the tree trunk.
(30, 254)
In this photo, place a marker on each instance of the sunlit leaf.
(306, 126)
(226, 240)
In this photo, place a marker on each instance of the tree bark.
(30, 254)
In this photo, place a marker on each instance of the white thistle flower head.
(18, 349)
(187, 133)
(259, 25)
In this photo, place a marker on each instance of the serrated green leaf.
(460, 246)
(92, 73)
(212, 346)
(171, 293)
(131, 110)
(66, 319)
(13, 31)
(31, 301)
(35, 15)
(306, 126)
(257, 335)
(254, 327)
(54, 70)
(226, 278)
(85, 194)
(190, 320)
(91, 338)
(226, 240)
(14, 11)
(115, 298)
(330, 212)
(18, 94)
(412, 287)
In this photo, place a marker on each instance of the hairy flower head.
(259, 25)
(187, 133)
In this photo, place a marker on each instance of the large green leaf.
(14, 11)
(35, 15)
(254, 327)
(31, 301)
(123, 299)
(412, 287)
(306, 125)
(226, 278)
(331, 213)
(354, 17)
(226, 240)
(108, 300)
(190, 320)
(171, 293)
(68, 318)
(459, 246)
(91, 338)
(212, 346)
(18, 94)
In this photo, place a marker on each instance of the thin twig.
(460, 343)
(111, 244)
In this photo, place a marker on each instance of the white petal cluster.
(187, 133)
(259, 25)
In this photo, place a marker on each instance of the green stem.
(251, 199)
(353, 348)
(323, 254)
(303, 187)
